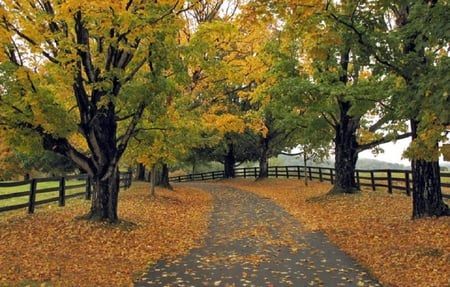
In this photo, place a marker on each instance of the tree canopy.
(125, 82)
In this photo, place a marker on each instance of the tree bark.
(153, 180)
(105, 198)
(263, 159)
(346, 154)
(229, 162)
(427, 193)
(140, 173)
(346, 145)
(163, 177)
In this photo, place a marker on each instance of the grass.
(39, 196)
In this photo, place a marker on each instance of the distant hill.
(362, 163)
(366, 163)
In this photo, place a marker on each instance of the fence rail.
(38, 191)
(400, 180)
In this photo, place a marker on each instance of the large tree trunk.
(105, 160)
(346, 154)
(427, 194)
(140, 172)
(102, 165)
(263, 159)
(163, 177)
(229, 162)
(105, 198)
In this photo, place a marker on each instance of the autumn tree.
(72, 61)
(259, 26)
(408, 39)
(221, 70)
(363, 102)
(425, 51)
(285, 95)
(322, 76)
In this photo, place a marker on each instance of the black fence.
(29, 194)
(400, 180)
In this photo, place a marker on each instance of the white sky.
(392, 152)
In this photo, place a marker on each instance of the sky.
(392, 152)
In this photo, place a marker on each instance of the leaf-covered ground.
(373, 227)
(52, 248)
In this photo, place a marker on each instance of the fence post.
(310, 173)
(256, 172)
(287, 171)
(88, 188)
(389, 176)
(62, 191)
(32, 201)
(407, 183)
(358, 182)
(320, 174)
(331, 176)
(372, 180)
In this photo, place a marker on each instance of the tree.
(358, 95)
(410, 41)
(222, 63)
(285, 96)
(72, 61)
(322, 76)
(416, 21)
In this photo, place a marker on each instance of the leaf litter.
(53, 248)
(375, 228)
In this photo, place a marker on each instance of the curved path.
(254, 242)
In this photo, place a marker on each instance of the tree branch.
(82, 35)
(364, 43)
(383, 140)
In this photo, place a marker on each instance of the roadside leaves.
(373, 227)
(51, 248)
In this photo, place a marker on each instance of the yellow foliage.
(78, 141)
(366, 136)
(224, 123)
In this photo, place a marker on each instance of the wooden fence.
(61, 188)
(400, 180)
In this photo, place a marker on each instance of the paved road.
(254, 242)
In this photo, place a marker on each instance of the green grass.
(39, 196)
